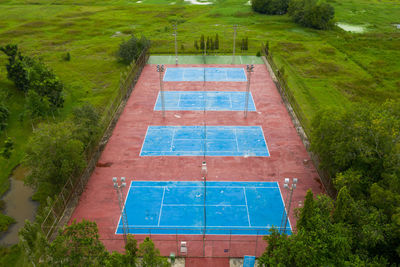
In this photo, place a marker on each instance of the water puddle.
(19, 205)
(195, 2)
(351, 28)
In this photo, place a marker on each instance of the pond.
(19, 205)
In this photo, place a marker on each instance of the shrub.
(8, 148)
(312, 14)
(4, 113)
(271, 7)
(131, 49)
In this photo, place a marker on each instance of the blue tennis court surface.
(209, 74)
(196, 100)
(240, 208)
(199, 140)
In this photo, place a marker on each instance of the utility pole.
(285, 215)
(234, 43)
(176, 45)
(124, 217)
(204, 174)
(250, 69)
(160, 69)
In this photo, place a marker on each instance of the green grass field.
(324, 68)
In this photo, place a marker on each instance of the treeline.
(309, 13)
(360, 148)
(56, 151)
(212, 43)
(42, 88)
(79, 245)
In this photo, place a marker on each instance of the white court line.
(247, 207)
(166, 227)
(211, 186)
(124, 208)
(162, 201)
(283, 204)
(172, 140)
(144, 140)
(158, 96)
(237, 143)
(201, 205)
(266, 144)
(179, 100)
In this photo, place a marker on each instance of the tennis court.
(237, 208)
(197, 100)
(205, 74)
(244, 141)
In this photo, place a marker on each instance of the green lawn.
(324, 68)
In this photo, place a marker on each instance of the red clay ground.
(287, 154)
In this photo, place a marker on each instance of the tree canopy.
(359, 147)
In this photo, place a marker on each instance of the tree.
(54, 155)
(17, 67)
(312, 13)
(36, 106)
(131, 49)
(196, 45)
(30, 74)
(202, 42)
(87, 123)
(78, 245)
(271, 7)
(150, 255)
(216, 43)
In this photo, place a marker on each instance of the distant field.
(324, 68)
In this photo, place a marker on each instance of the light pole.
(288, 202)
(234, 43)
(119, 187)
(176, 45)
(250, 69)
(160, 69)
(204, 174)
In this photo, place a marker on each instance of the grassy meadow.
(323, 68)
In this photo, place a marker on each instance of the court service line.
(237, 143)
(172, 140)
(201, 205)
(162, 201)
(247, 207)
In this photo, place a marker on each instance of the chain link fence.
(305, 124)
(73, 188)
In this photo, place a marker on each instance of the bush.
(4, 113)
(131, 49)
(312, 14)
(271, 7)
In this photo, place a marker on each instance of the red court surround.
(121, 156)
